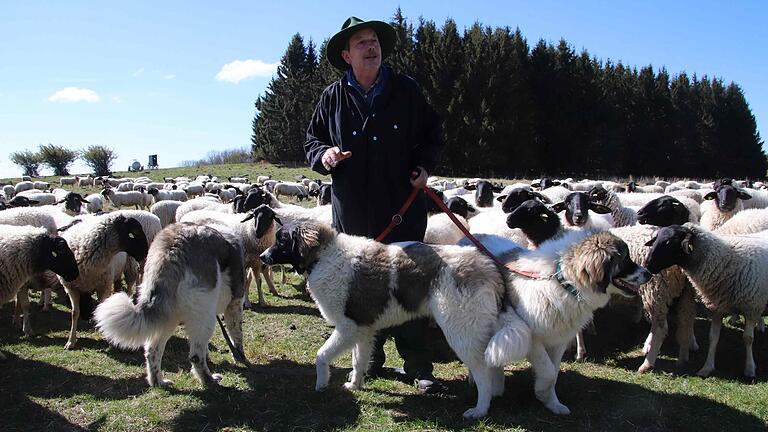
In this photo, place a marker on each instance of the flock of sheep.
(53, 238)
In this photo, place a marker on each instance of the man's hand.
(419, 177)
(333, 156)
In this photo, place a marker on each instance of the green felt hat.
(384, 31)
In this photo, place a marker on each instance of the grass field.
(97, 387)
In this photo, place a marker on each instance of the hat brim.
(384, 32)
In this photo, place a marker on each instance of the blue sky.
(179, 78)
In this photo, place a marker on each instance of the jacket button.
(375, 138)
(395, 126)
(354, 133)
(373, 115)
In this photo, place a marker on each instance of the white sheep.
(165, 211)
(730, 273)
(9, 191)
(622, 216)
(262, 178)
(161, 195)
(41, 185)
(442, 230)
(94, 243)
(747, 221)
(95, 203)
(721, 205)
(121, 199)
(71, 181)
(291, 189)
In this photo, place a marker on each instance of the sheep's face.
(598, 194)
(263, 218)
(324, 196)
(132, 238)
(73, 202)
(460, 207)
(671, 246)
(255, 198)
(726, 196)
(577, 206)
(663, 211)
(484, 194)
(57, 257)
(537, 221)
(22, 201)
(519, 196)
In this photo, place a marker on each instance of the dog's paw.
(474, 414)
(558, 408)
(350, 386)
(70, 345)
(645, 367)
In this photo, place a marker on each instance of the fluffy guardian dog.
(362, 286)
(579, 272)
(192, 273)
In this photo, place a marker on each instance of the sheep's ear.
(744, 196)
(599, 208)
(62, 201)
(710, 196)
(686, 244)
(501, 198)
(248, 216)
(545, 199)
(471, 187)
(558, 207)
(555, 183)
(650, 242)
(535, 185)
(83, 200)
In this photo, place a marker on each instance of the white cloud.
(169, 76)
(239, 70)
(138, 71)
(74, 94)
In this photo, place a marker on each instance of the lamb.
(193, 273)
(94, 243)
(95, 203)
(161, 195)
(730, 273)
(120, 199)
(24, 252)
(257, 237)
(622, 216)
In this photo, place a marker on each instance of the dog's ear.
(305, 240)
(592, 269)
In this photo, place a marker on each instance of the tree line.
(59, 159)
(512, 110)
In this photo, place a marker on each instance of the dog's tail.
(125, 324)
(511, 341)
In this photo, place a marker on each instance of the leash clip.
(397, 219)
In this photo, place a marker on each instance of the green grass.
(98, 387)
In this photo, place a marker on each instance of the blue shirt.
(376, 89)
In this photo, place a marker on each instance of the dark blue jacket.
(399, 132)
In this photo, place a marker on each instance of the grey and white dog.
(193, 272)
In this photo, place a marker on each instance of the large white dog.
(362, 286)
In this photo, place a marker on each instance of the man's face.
(364, 51)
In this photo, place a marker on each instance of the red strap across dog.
(398, 218)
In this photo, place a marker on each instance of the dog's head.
(297, 243)
(601, 263)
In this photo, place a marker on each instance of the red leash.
(398, 219)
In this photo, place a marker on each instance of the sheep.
(577, 206)
(633, 187)
(730, 274)
(442, 230)
(666, 210)
(41, 185)
(95, 203)
(120, 199)
(541, 224)
(71, 181)
(238, 179)
(721, 205)
(94, 243)
(622, 216)
(127, 186)
(324, 195)
(759, 198)
(9, 191)
(688, 193)
(262, 178)
(256, 237)
(494, 222)
(26, 178)
(292, 189)
(43, 198)
(194, 190)
(86, 181)
(556, 193)
(747, 221)
(227, 195)
(165, 211)
(28, 216)
(160, 195)
(24, 252)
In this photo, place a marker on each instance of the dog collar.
(568, 286)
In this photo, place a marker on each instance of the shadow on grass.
(596, 404)
(285, 310)
(25, 379)
(282, 396)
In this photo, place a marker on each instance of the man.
(377, 137)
